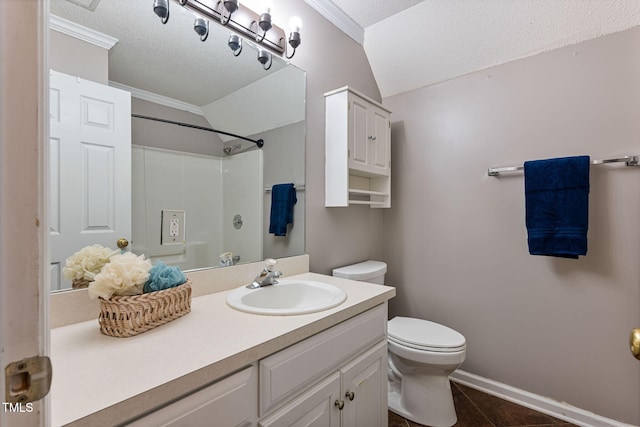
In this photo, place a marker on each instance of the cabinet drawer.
(287, 372)
(228, 402)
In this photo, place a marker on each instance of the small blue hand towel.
(557, 206)
(283, 197)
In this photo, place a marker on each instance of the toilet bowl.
(421, 356)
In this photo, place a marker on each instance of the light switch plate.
(173, 227)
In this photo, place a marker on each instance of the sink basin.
(286, 298)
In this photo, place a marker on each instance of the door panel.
(315, 408)
(90, 168)
(358, 134)
(381, 148)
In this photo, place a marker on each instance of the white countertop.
(102, 380)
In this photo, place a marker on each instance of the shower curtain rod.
(258, 142)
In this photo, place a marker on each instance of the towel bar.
(297, 187)
(628, 160)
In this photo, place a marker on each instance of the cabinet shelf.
(365, 202)
(367, 192)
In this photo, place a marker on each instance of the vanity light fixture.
(201, 26)
(230, 6)
(264, 23)
(269, 39)
(264, 57)
(235, 44)
(294, 35)
(161, 8)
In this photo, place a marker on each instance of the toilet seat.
(424, 335)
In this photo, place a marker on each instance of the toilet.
(421, 356)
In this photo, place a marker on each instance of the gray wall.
(334, 236)
(284, 162)
(172, 137)
(78, 58)
(455, 239)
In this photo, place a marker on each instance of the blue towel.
(283, 197)
(557, 206)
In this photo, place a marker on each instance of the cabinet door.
(364, 389)
(231, 402)
(314, 408)
(380, 150)
(359, 140)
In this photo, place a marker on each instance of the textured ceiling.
(168, 60)
(409, 43)
(412, 44)
(366, 13)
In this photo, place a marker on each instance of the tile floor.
(478, 409)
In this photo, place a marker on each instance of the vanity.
(237, 368)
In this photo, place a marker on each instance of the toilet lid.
(425, 335)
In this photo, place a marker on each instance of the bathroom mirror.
(217, 185)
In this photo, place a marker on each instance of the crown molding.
(81, 32)
(158, 99)
(336, 16)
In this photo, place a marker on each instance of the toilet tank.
(367, 271)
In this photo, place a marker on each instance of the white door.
(90, 168)
(23, 299)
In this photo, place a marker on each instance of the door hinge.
(27, 380)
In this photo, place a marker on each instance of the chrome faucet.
(267, 276)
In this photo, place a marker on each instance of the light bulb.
(295, 24)
(266, 6)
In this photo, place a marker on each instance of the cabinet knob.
(350, 395)
(371, 137)
(339, 404)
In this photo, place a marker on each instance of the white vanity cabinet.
(232, 401)
(357, 150)
(338, 376)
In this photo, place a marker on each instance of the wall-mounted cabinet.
(357, 150)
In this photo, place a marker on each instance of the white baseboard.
(557, 409)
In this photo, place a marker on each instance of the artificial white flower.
(87, 262)
(124, 275)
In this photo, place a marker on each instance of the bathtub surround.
(455, 238)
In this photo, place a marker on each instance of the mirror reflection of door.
(89, 167)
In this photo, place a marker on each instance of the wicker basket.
(80, 283)
(126, 316)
